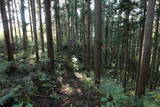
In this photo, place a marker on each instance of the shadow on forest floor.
(74, 92)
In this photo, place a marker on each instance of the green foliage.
(20, 89)
(12, 93)
(22, 105)
(55, 96)
(42, 76)
(24, 67)
(110, 87)
(4, 68)
(113, 96)
(152, 99)
(4, 65)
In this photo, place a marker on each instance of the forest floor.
(26, 84)
(73, 91)
(33, 84)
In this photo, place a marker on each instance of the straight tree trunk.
(25, 39)
(76, 26)
(6, 30)
(126, 52)
(98, 42)
(41, 25)
(57, 22)
(69, 32)
(157, 69)
(30, 18)
(88, 36)
(146, 49)
(50, 49)
(141, 40)
(83, 32)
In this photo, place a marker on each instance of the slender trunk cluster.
(10, 23)
(35, 29)
(6, 31)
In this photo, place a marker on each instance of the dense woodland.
(79, 53)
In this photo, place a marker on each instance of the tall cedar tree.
(50, 50)
(24, 30)
(57, 22)
(98, 42)
(144, 2)
(146, 49)
(88, 35)
(30, 18)
(41, 25)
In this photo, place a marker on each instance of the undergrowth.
(22, 84)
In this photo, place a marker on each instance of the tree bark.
(141, 40)
(41, 25)
(98, 42)
(88, 36)
(50, 51)
(25, 39)
(30, 18)
(126, 52)
(146, 49)
(57, 22)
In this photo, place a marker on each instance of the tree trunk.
(41, 25)
(25, 39)
(30, 18)
(146, 49)
(157, 69)
(57, 21)
(98, 42)
(126, 52)
(83, 32)
(50, 49)
(88, 36)
(76, 26)
(141, 40)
